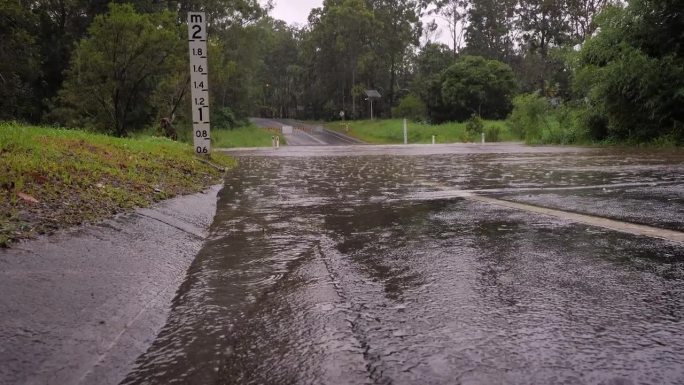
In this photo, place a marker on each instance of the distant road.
(307, 134)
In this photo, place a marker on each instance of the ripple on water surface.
(321, 271)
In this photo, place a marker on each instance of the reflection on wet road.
(342, 270)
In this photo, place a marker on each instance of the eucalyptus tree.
(336, 43)
(543, 24)
(582, 13)
(491, 29)
(429, 65)
(20, 64)
(454, 12)
(398, 30)
(282, 73)
(220, 13)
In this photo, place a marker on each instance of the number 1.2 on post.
(199, 82)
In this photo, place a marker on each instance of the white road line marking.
(612, 224)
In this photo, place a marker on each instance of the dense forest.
(599, 69)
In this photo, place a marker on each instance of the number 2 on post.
(199, 81)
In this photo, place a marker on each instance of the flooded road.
(362, 266)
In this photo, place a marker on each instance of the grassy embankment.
(245, 136)
(391, 131)
(54, 178)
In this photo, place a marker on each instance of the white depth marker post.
(405, 133)
(199, 82)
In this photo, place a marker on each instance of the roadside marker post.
(199, 82)
(405, 133)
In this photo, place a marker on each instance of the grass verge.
(247, 136)
(243, 136)
(54, 178)
(391, 131)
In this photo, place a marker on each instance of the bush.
(477, 85)
(492, 133)
(557, 134)
(474, 125)
(115, 70)
(632, 72)
(529, 116)
(596, 125)
(224, 118)
(410, 107)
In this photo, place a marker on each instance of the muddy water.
(328, 270)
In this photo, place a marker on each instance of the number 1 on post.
(199, 81)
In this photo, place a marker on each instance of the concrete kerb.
(80, 306)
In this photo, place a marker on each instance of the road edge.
(81, 305)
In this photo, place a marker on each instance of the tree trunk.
(390, 95)
(352, 91)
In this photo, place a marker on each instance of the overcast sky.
(297, 11)
(294, 11)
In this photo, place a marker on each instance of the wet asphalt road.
(307, 134)
(351, 266)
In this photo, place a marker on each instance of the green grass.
(245, 136)
(390, 131)
(77, 176)
(248, 136)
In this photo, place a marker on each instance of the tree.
(475, 85)
(430, 63)
(410, 107)
(489, 30)
(221, 14)
(544, 24)
(116, 68)
(282, 72)
(334, 50)
(60, 25)
(19, 67)
(454, 12)
(632, 72)
(399, 27)
(581, 14)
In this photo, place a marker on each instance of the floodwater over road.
(365, 267)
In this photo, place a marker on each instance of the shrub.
(492, 133)
(410, 107)
(474, 125)
(596, 125)
(529, 116)
(115, 70)
(633, 72)
(224, 118)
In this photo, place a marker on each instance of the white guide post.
(199, 82)
(405, 133)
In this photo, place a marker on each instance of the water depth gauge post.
(199, 82)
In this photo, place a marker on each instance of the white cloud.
(294, 11)
(297, 12)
